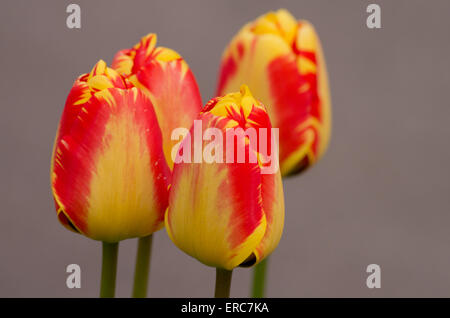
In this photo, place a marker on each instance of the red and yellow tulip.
(226, 214)
(281, 61)
(166, 79)
(109, 176)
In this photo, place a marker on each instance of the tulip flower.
(165, 78)
(223, 212)
(109, 176)
(282, 62)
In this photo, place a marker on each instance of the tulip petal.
(82, 91)
(215, 212)
(109, 176)
(174, 94)
(165, 77)
(273, 207)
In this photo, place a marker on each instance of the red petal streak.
(293, 105)
(245, 184)
(227, 70)
(75, 161)
(71, 110)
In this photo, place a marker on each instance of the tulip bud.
(281, 61)
(109, 176)
(166, 79)
(226, 212)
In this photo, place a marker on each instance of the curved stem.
(223, 283)
(109, 269)
(259, 279)
(142, 267)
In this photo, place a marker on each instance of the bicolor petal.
(225, 213)
(165, 77)
(282, 62)
(109, 176)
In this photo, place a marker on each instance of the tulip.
(165, 78)
(281, 60)
(109, 176)
(226, 214)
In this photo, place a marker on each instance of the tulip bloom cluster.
(281, 61)
(117, 172)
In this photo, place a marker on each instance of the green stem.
(109, 269)
(259, 279)
(142, 267)
(223, 283)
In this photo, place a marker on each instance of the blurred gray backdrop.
(380, 195)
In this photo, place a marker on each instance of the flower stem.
(142, 267)
(109, 269)
(223, 283)
(259, 279)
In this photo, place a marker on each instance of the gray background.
(380, 195)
